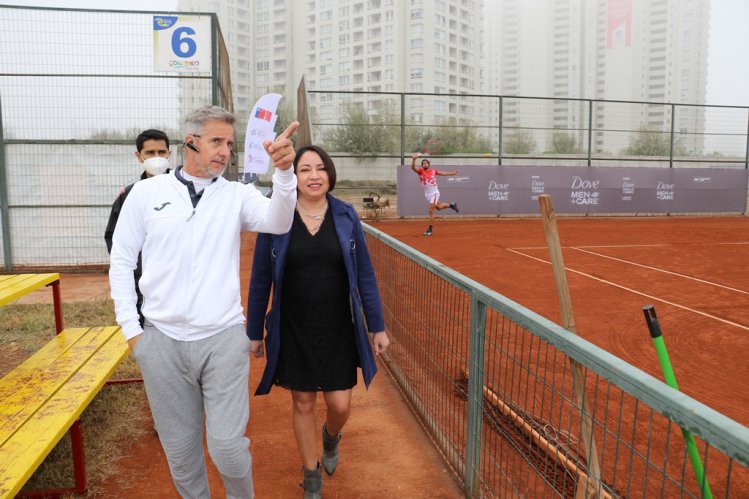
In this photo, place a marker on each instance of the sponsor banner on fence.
(514, 190)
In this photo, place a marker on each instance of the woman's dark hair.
(327, 161)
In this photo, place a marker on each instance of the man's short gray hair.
(195, 121)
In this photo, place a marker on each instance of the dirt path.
(384, 451)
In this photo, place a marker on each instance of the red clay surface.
(384, 451)
(695, 271)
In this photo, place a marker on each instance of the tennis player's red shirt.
(428, 177)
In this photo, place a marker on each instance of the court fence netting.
(494, 386)
(77, 86)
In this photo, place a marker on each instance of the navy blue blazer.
(267, 274)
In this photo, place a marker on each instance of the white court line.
(655, 245)
(612, 246)
(661, 270)
(725, 321)
(627, 245)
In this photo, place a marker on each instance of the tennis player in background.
(428, 177)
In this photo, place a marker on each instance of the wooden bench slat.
(41, 359)
(10, 279)
(15, 286)
(28, 387)
(22, 453)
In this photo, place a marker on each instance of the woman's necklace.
(318, 216)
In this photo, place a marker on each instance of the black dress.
(318, 350)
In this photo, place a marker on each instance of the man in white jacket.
(193, 351)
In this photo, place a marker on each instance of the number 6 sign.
(182, 43)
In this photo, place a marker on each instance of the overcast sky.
(728, 64)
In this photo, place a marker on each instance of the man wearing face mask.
(152, 151)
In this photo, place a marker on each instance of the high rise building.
(274, 46)
(236, 23)
(634, 50)
(354, 45)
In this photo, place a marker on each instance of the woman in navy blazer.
(325, 298)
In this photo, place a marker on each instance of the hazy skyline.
(728, 68)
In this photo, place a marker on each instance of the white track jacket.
(190, 280)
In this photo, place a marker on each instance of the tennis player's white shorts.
(432, 194)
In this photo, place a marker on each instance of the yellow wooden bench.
(14, 286)
(43, 397)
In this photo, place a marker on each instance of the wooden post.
(592, 486)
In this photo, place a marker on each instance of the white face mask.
(156, 165)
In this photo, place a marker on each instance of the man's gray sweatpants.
(188, 382)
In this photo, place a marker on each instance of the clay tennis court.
(694, 270)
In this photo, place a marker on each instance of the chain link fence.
(520, 407)
(370, 132)
(76, 88)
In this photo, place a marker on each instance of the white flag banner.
(260, 127)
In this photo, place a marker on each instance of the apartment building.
(238, 30)
(635, 50)
(430, 46)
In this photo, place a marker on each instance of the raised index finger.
(286, 134)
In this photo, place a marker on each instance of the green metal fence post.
(673, 127)
(4, 214)
(590, 131)
(403, 128)
(475, 397)
(214, 61)
(746, 155)
(499, 144)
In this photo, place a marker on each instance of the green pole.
(7, 243)
(670, 378)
